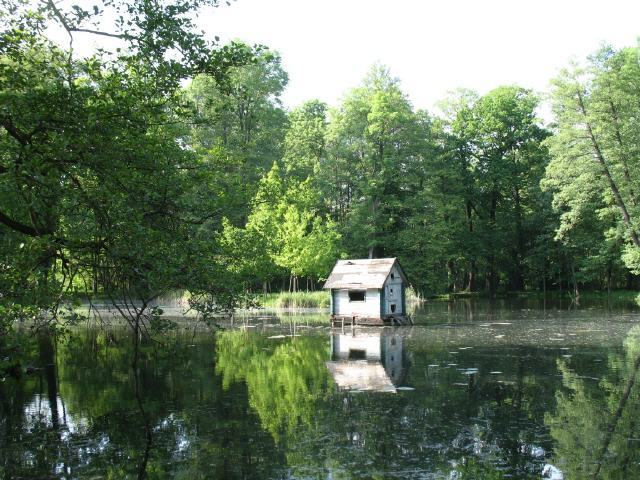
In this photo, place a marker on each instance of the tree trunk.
(48, 364)
(471, 279)
(471, 285)
(517, 283)
(605, 169)
(451, 283)
(576, 293)
(560, 279)
(94, 276)
(491, 278)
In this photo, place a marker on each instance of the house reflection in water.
(366, 359)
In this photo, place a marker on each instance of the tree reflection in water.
(198, 431)
(239, 404)
(366, 359)
(349, 426)
(596, 420)
(284, 379)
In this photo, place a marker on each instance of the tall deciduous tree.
(240, 118)
(371, 145)
(499, 141)
(305, 141)
(285, 233)
(95, 186)
(596, 146)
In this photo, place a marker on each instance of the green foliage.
(118, 181)
(300, 299)
(284, 382)
(370, 140)
(593, 422)
(239, 126)
(457, 199)
(284, 233)
(497, 141)
(385, 180)
(98, 191)
(593, 176)
(304, 143)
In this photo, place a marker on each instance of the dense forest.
(166, 162)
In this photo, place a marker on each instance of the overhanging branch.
(98, 32)
(14, 131)
(21, 227)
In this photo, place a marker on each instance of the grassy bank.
(318, 299)
(613, 295)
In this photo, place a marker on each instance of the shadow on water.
(534, 308)
(366, 359)
(472, 391)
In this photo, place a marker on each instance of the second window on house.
(357, 295)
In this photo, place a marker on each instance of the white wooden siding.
(343, 344)
(393, 292)
(392, 356)
(369, 308)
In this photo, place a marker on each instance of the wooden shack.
(368, 292)
(367, 360)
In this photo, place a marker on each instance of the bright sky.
(327, 46)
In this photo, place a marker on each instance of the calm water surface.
(511, 389)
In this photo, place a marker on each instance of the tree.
(432, 233)
(499, 142)
(240, 118)
(98, 193)
(285, 233)
(304, 143)
(370, 147)
(595, 147)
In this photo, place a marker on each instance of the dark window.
(356, 295)
(357, 354)
(392, 276)
(393, 308)
(391, 290)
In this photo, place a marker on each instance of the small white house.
(368, 291)
(366, 360)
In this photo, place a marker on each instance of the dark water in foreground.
(518, 389)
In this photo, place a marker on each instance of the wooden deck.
(343, 320)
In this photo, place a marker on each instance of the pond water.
(475, 389)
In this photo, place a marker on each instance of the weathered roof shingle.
(362, 273)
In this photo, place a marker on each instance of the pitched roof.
(362, 273)
(361, 375)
